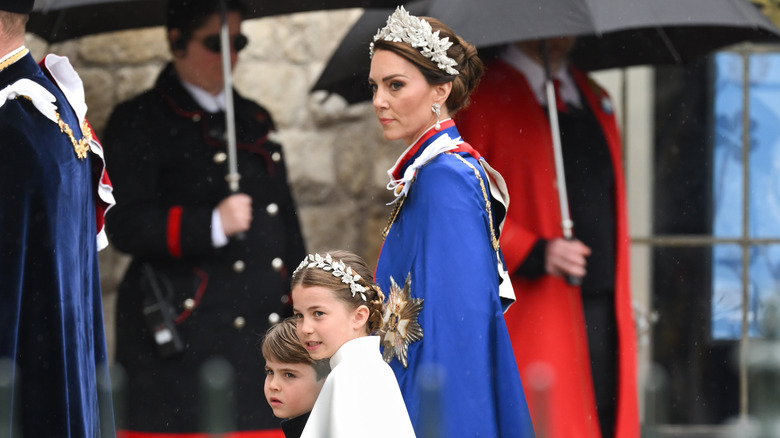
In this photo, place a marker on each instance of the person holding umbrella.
(211, 267)
(53, 196)
(573, 313)
(444, 336)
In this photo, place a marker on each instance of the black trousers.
(602, 345)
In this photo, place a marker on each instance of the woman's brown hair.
(469, 66)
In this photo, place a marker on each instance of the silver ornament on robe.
(399, 322)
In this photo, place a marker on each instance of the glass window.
(715, 238)
(761, 163)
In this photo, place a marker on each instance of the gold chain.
(79, 146)
(484, 195)
(393, 214)
(13, 59)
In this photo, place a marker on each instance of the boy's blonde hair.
(281, 344)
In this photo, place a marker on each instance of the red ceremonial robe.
(510, 129)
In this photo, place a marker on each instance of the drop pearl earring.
(436, 108)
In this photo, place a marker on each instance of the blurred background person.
(210, 267)
(583, 335)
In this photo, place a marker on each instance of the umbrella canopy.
(611, 33)
(59, 20)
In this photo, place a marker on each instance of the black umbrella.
(611, 33)
(59, 20)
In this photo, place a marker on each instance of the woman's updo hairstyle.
(315, 276)
(469, 66)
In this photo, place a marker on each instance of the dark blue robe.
(442, 241)
(51, 317)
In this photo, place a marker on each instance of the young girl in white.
(338, 307)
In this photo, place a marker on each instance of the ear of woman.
(442, 91)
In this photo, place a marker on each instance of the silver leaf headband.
(337, 268)
(406, 28)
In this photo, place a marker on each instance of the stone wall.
(336, 155)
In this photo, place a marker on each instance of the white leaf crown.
(406, 28)
(337, 268)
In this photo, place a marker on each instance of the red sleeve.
(174, 231)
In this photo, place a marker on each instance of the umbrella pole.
(552, 112)
(563, 196)
(232, 176)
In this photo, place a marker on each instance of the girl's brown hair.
(312, 277)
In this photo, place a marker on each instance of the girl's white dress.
(360, 397)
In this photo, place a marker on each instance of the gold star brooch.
(400, 327)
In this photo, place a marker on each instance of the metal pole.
(560, 176)
(552, 112)
(745, 338)
(232, 176)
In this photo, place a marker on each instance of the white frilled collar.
(400, 186)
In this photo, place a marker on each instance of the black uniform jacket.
(167, 160)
